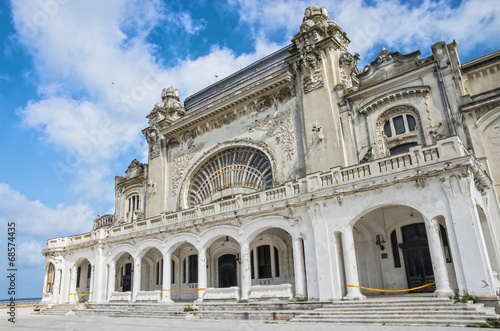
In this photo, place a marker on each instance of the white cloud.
(392, 23)
(33, 218)
(30, 254)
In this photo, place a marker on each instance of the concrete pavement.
(26, 321)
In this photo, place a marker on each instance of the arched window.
(399, 125)
(50, 278)
(133, 205)
(234, 170)
(399, 129)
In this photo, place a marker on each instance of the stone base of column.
(444, 293)
(354, 297)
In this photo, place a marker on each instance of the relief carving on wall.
(310, 64)
(263, 103)
(348, 67)
(279, 126)
(181, 162)
(153, 141)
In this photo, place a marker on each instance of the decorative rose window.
(232, 171)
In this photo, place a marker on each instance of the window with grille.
(241, 166)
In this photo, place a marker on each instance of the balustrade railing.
(417, 156)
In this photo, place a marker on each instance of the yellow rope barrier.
(187, 289)
(81, 293)
(379, 290)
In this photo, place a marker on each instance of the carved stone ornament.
(310, 65)
(279, 126)
(383, 56)
(348, 67)
(153, 141)
(169, 109)
(181, 162)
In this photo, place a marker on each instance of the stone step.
(423, 322)
(392, 312)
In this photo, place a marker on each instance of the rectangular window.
(89, 274)
(193, 268)
(264, 261)
(78, 272)
(399, 124)
(172, 276)
(276, 263)
(252, 267)
(161, 272)
(184, 271)
(157, 273)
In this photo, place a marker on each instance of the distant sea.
(24, 301)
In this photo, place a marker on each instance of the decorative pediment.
(135, 169)
(388, 65)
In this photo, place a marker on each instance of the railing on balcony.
(445, 149)
(104, 221)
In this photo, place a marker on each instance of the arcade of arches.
(390, 247)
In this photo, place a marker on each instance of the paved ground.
(26, 321)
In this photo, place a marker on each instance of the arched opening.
(272, 264)
(50, 278)
(234, 170)
(393, 250)
(83, 280)
(152, 270)
(124, 273)
(227, 271)
(184, 273)
(491, 245)
(399, 128)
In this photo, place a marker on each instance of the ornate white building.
(300, 175)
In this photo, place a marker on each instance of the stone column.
(438, 260)
(351, 265)
(202, 273)
(64, 283)
(469, 252)
(45, 294)
(91, 287)
(246, 271)
(111, 279)
(73, 295)
(299, 268)
(136, 284)
(167, 281)
(57, 285)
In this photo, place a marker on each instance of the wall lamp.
(379, 240)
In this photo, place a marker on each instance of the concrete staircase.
(215, 310)
(399, 311)
(143, 310)
(55, 309)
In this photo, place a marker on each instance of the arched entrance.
(417, 258)
(152, 270)
(227, 270)
(395, 249)
(83, 279)
(184, 273)
(124, 273)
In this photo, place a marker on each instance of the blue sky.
(77, 79)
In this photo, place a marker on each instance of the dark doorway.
(227, 270)
(417, 258)
(127, 278)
